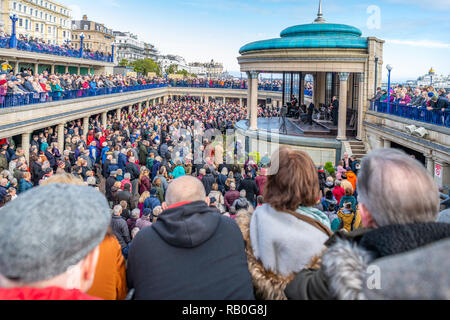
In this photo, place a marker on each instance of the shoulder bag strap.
(316, 224)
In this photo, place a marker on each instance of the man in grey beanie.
(50, 243)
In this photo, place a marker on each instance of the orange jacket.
(351, 177)
(110, 274)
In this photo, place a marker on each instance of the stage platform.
(315, 140)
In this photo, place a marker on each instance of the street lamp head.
(82, 35)
(389, 67)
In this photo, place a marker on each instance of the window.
(26, 24)
(37, 27)
(20, 22)
(42, 28)
(14, 6)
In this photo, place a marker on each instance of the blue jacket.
(122, 161)
(151, 203)
(111, 168)
(24, 185)
(93, 153)
(104, 151)
(3, 193)
(179, 172)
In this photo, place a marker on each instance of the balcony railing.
(54, 50)
(16, 100)
(436, 117)
(237, 86)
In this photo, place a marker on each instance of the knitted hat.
(49, 229)
(153, 191)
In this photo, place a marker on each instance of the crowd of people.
(40, 46)
(273, 85)
(160, 209)
(419, 97)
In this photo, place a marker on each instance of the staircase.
(358, 149)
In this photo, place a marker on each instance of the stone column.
(67, 69)
(104, 119)
(386, 144)
(118, 114)
(361, 107)
(130, 109)
(53, 69)
(61, 137)
(322, 88)
(254, 100)
(207, 99)
(85, 126)
(16, 67)
(249, 95)
(302, 89)
(36, 68)
(139, 109)
(79, 70)
(240, 102)
(430, 164)
(342, 128)
(315, 90)
(26, 146)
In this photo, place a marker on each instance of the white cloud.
(76, 11)
(420, 43)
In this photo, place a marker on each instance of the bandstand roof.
(313, 35)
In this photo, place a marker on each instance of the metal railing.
(436, 117)
(32, 46)
(16, 100)
(237, 86)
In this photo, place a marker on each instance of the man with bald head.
(192, 252)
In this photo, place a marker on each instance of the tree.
(145, 66)
(123, 63)
(183, 72)
(172, 69)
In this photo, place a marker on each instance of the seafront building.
(97, 37)
(43, 19)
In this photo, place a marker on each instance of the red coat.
(260, 182)
(50, 293)
(338, 193)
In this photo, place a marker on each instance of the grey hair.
(243, 193)
(136, 213)
(134, 232)
(117, 210)
(397, 189)
(127, 175)
(224, 171)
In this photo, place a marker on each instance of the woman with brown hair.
(285, 233)
(144, 182)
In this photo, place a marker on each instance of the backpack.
(349, 222)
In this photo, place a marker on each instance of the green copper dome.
(314, 35)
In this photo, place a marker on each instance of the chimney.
(85, 17)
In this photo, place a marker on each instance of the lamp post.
(376, 74)
(81, 44)
(389, 68)
(112, 53)
(13, 39)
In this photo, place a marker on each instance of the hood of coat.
(346, 263)
(188, 226)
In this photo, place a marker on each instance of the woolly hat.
(153, 191)
(49, 229)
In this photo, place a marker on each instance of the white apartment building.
(129, 47)
(43, 19)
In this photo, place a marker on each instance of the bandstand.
(341, 62)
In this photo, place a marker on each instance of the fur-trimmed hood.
(267, 285)
(345, 263)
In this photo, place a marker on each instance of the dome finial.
(320, 18)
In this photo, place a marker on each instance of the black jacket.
(250, 187)
(208, 181)
(190, 253)
(313, 284)
(120, 229)
(133, 170)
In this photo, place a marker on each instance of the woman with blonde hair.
(143, 197)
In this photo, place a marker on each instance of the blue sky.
(417, 32)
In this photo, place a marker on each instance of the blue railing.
(16, 100)
(238, 86)
(436, 117)
(54, 50)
